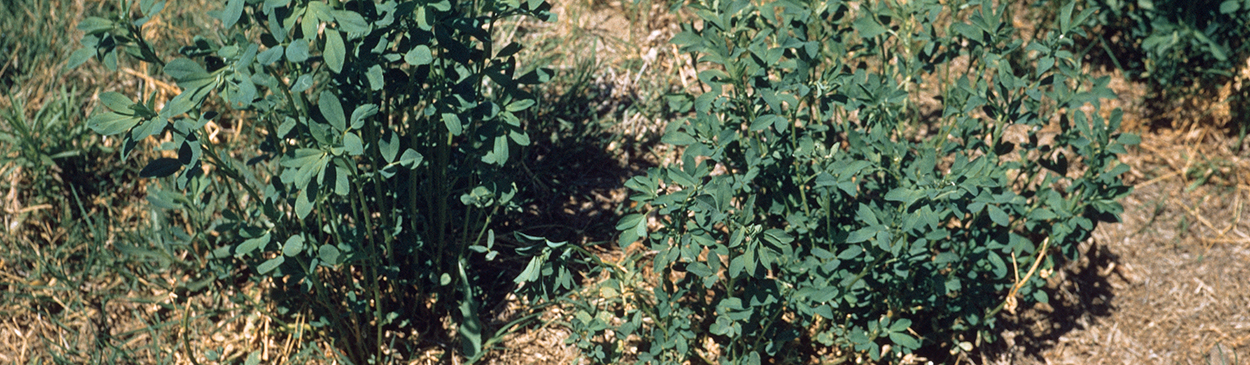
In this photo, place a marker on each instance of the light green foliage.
(815, 204)
(378, 136)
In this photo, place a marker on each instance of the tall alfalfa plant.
(814, 205)
(374, 138)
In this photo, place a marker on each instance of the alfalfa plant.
(369, 167)
(1182, 48)
(816, 205)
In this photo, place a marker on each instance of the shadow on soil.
(1079, 294)
(576, 167)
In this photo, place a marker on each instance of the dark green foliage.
(1183, 42)
(379, 136)
(817, 205)
(1180, 48)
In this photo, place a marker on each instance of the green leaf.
(314, 14)
(185, 101)
(329, 254)
(519, 137)
(389, 147)
(332, 110)
(1230, 6)
(350, 21)
(184, 69)
(1040, 296)
(411, 159)
(253, 358)
(682, 178)
(900, 325)
(509, 50)
(293, 245)
(863, 234)
(230, 15)
(500, 152)
(1215, 49)
(1129, 139)
(520, 105)
(150, 127)
(165, 199)
(79, 57)
(907, 196)
(243, 92)
(342, 183)
(904, 340)
(777, 237)
(1065, 17)
(1044, 64)
(700, 269)
(251, 244)
(969, 31)
(161, 167)
(530, 274)
(335, 51)
(997, 264)
(95, 25)
(303, 157)
(377, 79)
(868, 26)
(850, 252)
(678, 138)
(452, 121)
(686, 38)
(352, 144)
(419, 55)
(297, 51)
(276, 27)
(362, 113)
(867, 215)
(110, 60)
(470, 327)
(998, 215)
(537, 76)
(270, 264)
(303, 204)
(117, 102)
(764, 121)
(304, 82)
(629, 222)
(722, 327)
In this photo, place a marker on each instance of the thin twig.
(1011, 296)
